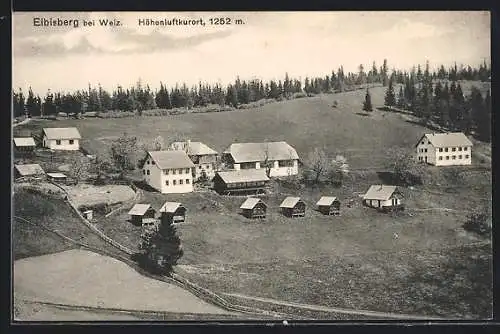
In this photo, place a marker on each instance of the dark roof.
(171, 159)
(62, 133)
(253, 152)
(244, 175)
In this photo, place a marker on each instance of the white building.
(169, 171)
(281, 158)
(382, 197)
(201, 155)
(444, 149)
(66, 139)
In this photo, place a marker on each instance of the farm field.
(355, 261)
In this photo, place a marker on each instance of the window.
(181, 181)
(71, 141)
(166, 183)
(447, 157)
(199, 167)
(152, 162)
(147, 162)
(58, 142)
(187, 171)
(440, 149)
(422, 143)
(466, 156)
(166, 171)
(174, 171)
(453, 157)
(459, 148)
(179, 171)
(453, 149)
(440, 157)
(144, 171)
(208, 166)
(174, 182)
(425, 150)
(147, 172)
(446, 149)
(465, 148)
(460, 156)
(187, 181)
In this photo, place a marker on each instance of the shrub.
(477, 222)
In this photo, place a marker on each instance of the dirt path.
(334, 309)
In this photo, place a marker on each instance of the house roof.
(170, 207)
(139, 209)
(244, 175)
(62, 133)
(57, 175)
(171, 159)
(250, 203)
(29, 169)
(290, 202)
(192, 148)
(24, 141)
(450, 139)
(380, 192)
(253, 152)
(326, 201)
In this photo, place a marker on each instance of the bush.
(477, 222)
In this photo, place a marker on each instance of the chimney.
(188, 143)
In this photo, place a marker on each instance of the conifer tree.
(390, 98)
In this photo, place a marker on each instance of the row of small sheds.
(145, 215)
(290, 207)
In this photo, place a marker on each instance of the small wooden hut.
(140, 212)
(173, 212)
(24, 145)
(293, 207)
(57, 177)
(28, 170)
(254, 208)
(328, 205)
(384, 198)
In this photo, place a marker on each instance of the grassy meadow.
(421, 262)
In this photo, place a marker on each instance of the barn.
(254, 208)
(383, 198)
(28, 170)
(248, 181)
(173, 212)
(328, 205)
(141, 211)
(24, 145)
(293, 207)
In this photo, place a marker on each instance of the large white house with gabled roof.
(168, 172)
(281, 158)
(66, 139)
(444, 149)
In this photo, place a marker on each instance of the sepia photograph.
(251, 166)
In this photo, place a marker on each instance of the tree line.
(435, 98)
(141, 97)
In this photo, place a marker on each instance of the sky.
(266, 46)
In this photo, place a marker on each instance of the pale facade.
(62, 144)
(444, 152)
(279, 168)
(168, 180)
